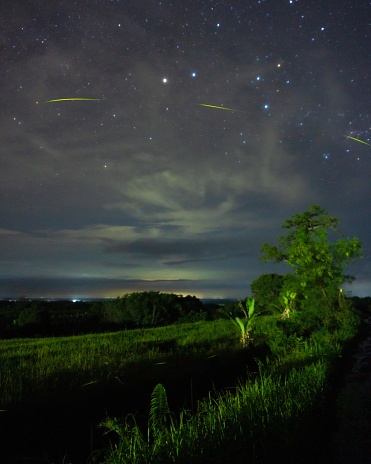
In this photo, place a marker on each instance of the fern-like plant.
(159, 414)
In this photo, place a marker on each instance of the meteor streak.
(72, 99)
(220, 107)
(357, 140)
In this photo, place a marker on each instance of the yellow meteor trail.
(72, 99)
(220, 107)
(357, 140)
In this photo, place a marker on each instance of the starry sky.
(145, 188)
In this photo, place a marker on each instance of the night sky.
(144, 188)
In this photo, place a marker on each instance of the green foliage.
(34, 315)
(159, 412)
(263, 416)
(250, 306)
(265, 290)
(246, 325)
(271, 416)
(230, 309)
(288, 299)
(318, 264)
(48, 367)
(153, 309)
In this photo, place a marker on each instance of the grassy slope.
(55, 390)
(270, 412)
(29, 367)
(277, 415)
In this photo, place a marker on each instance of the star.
(212, 112)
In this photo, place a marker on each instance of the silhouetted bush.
(35, 315)
(153, 309)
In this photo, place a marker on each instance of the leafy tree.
(191, 309)
(152, 309)
(318, 263)
(114, 311)
(265, 290)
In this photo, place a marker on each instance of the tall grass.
(33, 367)
(248, 424)
(267, 417)
(265, 414)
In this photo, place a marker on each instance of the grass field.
(30, 367)
(278, 414)
(265, 399)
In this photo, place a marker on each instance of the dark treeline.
(32, 318)
(40, 318)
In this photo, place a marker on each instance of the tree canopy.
(265, 290)
(153, 309)
(318, 263)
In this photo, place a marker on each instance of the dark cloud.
(146, 184)
(177, 252)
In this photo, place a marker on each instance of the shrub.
(35, 315)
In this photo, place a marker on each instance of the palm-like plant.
(246, 325)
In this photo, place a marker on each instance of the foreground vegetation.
(251, 386)
(273, 413)
(33, 368)
(270, 415)
(41, 318)
(273, 402)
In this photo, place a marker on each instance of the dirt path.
(352, 438)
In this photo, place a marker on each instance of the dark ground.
(352, 438)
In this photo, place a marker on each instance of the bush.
(35, 315)
(266, 290)
(152, 309)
